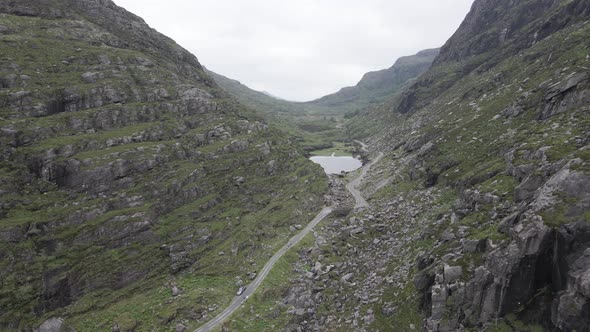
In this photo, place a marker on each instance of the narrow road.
(364, 146)
(352, 186)
(251, 288)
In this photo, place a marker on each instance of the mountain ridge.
(318, 124)
(377, 86)
(485, 33)
(259, 100)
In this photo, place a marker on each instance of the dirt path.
(253, 286)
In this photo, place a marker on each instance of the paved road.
(364, 146)
(251, 288)
(352, 186)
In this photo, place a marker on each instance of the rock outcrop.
(492, 31)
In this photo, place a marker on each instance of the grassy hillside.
(258, 100)
(135, 193)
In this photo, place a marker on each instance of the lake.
(335, 165)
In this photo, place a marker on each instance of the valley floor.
(238, 301)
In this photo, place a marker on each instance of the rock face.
(51, 325)
(573, 91)
(118, 155)
(491, 24)
(537, 259)
(493, 29)
(537, 271)
(571, 309)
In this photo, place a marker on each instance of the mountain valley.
(139, 191)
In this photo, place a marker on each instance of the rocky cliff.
(134, 193)
(492, 32)
(501, 121)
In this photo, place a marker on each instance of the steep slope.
(376, 87)
(491, 33)
(479, 210)
(134, 193)
(495, 138)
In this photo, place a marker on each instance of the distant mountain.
(373, 89)
(319, 123)
(271, 95)
(376, 87)
(310, 125)
(259, 100)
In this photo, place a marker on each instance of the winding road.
(352, 185)
(253, 286)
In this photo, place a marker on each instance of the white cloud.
(301, 50)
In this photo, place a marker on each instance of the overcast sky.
(301, 49)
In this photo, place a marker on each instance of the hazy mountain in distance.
(378, 86)
(259, 100)
(271, 95)
(373, 89)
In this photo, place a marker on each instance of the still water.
(335, 165)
